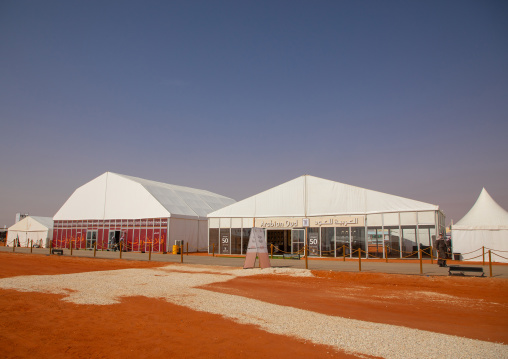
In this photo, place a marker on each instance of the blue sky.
(408, 98)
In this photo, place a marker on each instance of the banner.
(257, 247)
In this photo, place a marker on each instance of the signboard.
(314, 244)
(257, 247)
(225, 242)
(299, 222)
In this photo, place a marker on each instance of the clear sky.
(404, 97)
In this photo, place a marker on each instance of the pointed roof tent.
(33, 224)
(113, 196)
(485, 214)
(313, 196)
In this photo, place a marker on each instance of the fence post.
(490, 263)
(120, 250)
(31, 245)
(181, 253)
(71, 247)
(213, 249)
(150, 252)
(94, 248)
(187, 248)
(271, 250)
(431, 255)
(50, 245)
(343, 252)
(386, 254)
(421, 262)
(359, 259)
(483, 254)
(306, 251)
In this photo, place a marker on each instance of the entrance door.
(114, 238)
(297, 241)
(280, 239)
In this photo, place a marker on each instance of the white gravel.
(177, 284)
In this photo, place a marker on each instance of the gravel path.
(177, 284)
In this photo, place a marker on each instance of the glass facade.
(328, 242)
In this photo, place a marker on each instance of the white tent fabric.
(31, 228)
(116, 196)
(313, 196)
(485, 225)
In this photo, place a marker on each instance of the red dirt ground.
(37, 325)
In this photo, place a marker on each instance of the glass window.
(328, 242)
(392, 242)
(357, 240)
(424, 237)
(213, 240)
(409, 245)
(91, 238)
(245, 239)
(342, 241)
(297, 241)
(236, 240)
(375, 241)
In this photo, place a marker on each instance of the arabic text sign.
(338, 221)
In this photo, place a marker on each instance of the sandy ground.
(42, 325)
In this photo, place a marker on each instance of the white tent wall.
(185, 230)
(469, 244)
(40, 239)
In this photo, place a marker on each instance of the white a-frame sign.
(257, 246)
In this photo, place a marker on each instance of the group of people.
(443, 247)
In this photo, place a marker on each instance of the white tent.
(308, 196)
(39, 230)
(485, 225)
(115, 196)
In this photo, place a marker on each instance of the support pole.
(31, 245)
(421, 262)
(431, 255)
(213, 249)
(150, 252)
(50, 245)
(386, 254)
(359, 259)
(483, 254)
(121, 245)
(343, 252)
(94, 248)
(490, 263)
(181, 253)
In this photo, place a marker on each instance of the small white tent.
(39, 230)
(485, 225)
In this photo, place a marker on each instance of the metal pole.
(306, 251)
(490, 263)
(360, 259)
(421, 262)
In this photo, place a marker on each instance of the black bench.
(461, 270)
(291, 256)
(57, 251)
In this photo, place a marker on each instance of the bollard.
(31, 245)
(50, 245)
(360, 259)
(386, 254)
(343, 252)
(271, 250)
(306, 251)
(187, 248)
(181, 253)
(120, 250)
(71, 248)
(483, 254)
(421, 262)
(150, 252)
(490, 264)
(94, 248)
(431, 255)
(213, 249)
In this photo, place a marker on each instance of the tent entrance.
(281, 240)
(114, 239)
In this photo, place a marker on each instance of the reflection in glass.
(236, 240)
(327, 242)
(392, 242)
(213, 240)
(357, 240)
(342, 241)
(375, 237)
(409, 245)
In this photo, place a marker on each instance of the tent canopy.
(113, 196)
(31, 228)
(33, 224)
(485, 214)
(313, 196)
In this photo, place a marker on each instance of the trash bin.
(176, 249)
(456, 256)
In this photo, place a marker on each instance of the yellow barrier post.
(306, 251)
(31, 245)
(431, 255)
(271, 250)
(421, 262)
(150, 252)
(490, 263)
(213, 249)
(360, 259)
(94, 248)
(120, 250)
(483, 254)
(343, 252)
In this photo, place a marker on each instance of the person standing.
(441, 250)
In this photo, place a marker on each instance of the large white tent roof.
(485, 214)
(113, 196)
(33, 224)
(313, 196)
